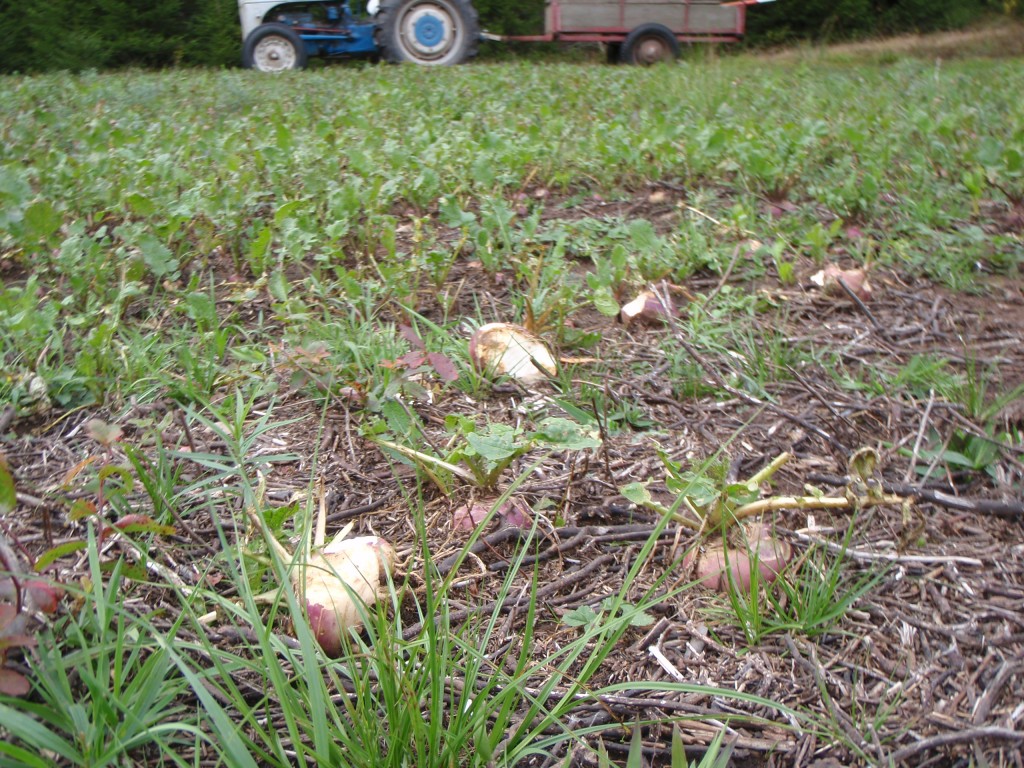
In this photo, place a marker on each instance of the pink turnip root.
(855, 279)
(468, 516)
(722, 566)
(514, 513)
(336, 583)
(504, 349)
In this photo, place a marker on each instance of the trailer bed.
(611, 21)
(696, 17)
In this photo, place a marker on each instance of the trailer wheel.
(430, 32)
(274, 48)
(649, 44)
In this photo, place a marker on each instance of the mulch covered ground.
(926, 669)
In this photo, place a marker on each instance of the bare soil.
(926, 669)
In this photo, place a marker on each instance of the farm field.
(230, 298)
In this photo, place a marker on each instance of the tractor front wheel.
(429, 32)
(274, 48)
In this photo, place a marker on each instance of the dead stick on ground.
(969, 736)
(890, 557)
(863, 307)
(817, 396)
(725, 278)
(984, 706)
(813, 666)
(1012, 510)
(920, 437)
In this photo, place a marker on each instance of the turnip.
(337, 582)
(504, 349)
(722, 566)
(647, 307)
(341, 582)
(468, 516)
(832, 278)
(514, 513)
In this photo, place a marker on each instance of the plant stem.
(320, 533)
(812, 502)
(766, 473)
(426, 458)
(261, 524)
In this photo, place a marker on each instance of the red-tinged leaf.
(444, 366)
(409, 334)
(44, 595)
(103, 433)
(13, 684)
(81, 508)
(142, 524)
(413, 359)
(8, 496)
(61, 550)
(313, 353)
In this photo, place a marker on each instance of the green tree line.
(107, 34)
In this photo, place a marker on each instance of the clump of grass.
(105, 688)
(809, 599)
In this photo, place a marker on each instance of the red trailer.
(642, 31)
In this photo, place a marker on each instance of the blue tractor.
(278, 35)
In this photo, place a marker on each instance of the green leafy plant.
(707, 500)
(585, 615)
(961, 452)
(480, 456)
(188, 278)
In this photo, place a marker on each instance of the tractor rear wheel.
(274, 48)
(429, 32)
(649, 44)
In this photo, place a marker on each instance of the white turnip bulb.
(340, 583)
(504, 349)
(337, 583)
(647, 307)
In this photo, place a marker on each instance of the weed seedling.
(480, 456)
